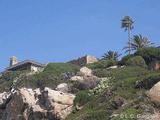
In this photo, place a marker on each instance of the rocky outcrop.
(84, 71)
(4, 99)
(77, 78)
(86, 79)
(28, 104)
(154, 92)
(82, 74)
(63, 87)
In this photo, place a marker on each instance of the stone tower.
(13, 60)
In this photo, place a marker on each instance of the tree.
(139, 42)
(111, 55)
(127, 24)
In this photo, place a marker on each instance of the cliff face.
(28, 104)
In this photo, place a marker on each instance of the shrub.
(101, 64)
(125, 59)
(7, 79)
(60, 68)
(81, 98)
(149, 54)
(101, 73)
(149, 81)
(136, 61)
(10, 75)
(102, 85)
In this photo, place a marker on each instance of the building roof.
(25, 62)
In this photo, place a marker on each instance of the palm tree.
(127, 24)
(111, 55)
(139, 42)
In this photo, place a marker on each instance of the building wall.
(34, 68)
(82, 61)
(29, 67)
(23, 67)
(91, 59)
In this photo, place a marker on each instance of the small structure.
(82, 61)
(24, 65)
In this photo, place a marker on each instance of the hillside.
(116, 90)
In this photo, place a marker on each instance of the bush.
(7, 79)
(81, 98)
(60, 68)
(149, 81)
(125, 59)
(101, 73)
(149, 54)
(101, 64)
(102, 85)
(136, 61)
(10, 75)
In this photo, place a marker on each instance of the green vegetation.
(111, 55)
(7, 78)
(136, 61)
(82, 98)
(59, 68)
(53, 74)
(129, 114)
(149, 54)
(140, 42)
(125, 59)
(123, 90)
(101, 64)
(127, 24)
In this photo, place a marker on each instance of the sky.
(61, 30)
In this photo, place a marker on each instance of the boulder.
(77, 78)
(63, 87)
(4, 99)
(88, 83)
(35, 104)
(113, 67)
(86, 71)
(154, 92)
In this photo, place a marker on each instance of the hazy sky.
(60, 30)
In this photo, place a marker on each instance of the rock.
(63, 87)
(88, 83)
(78, 107)
(154, 92)
(28, 104)
(86, 71)
(4, 99)
(113, 67)
(77, 78)
(122, 66)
